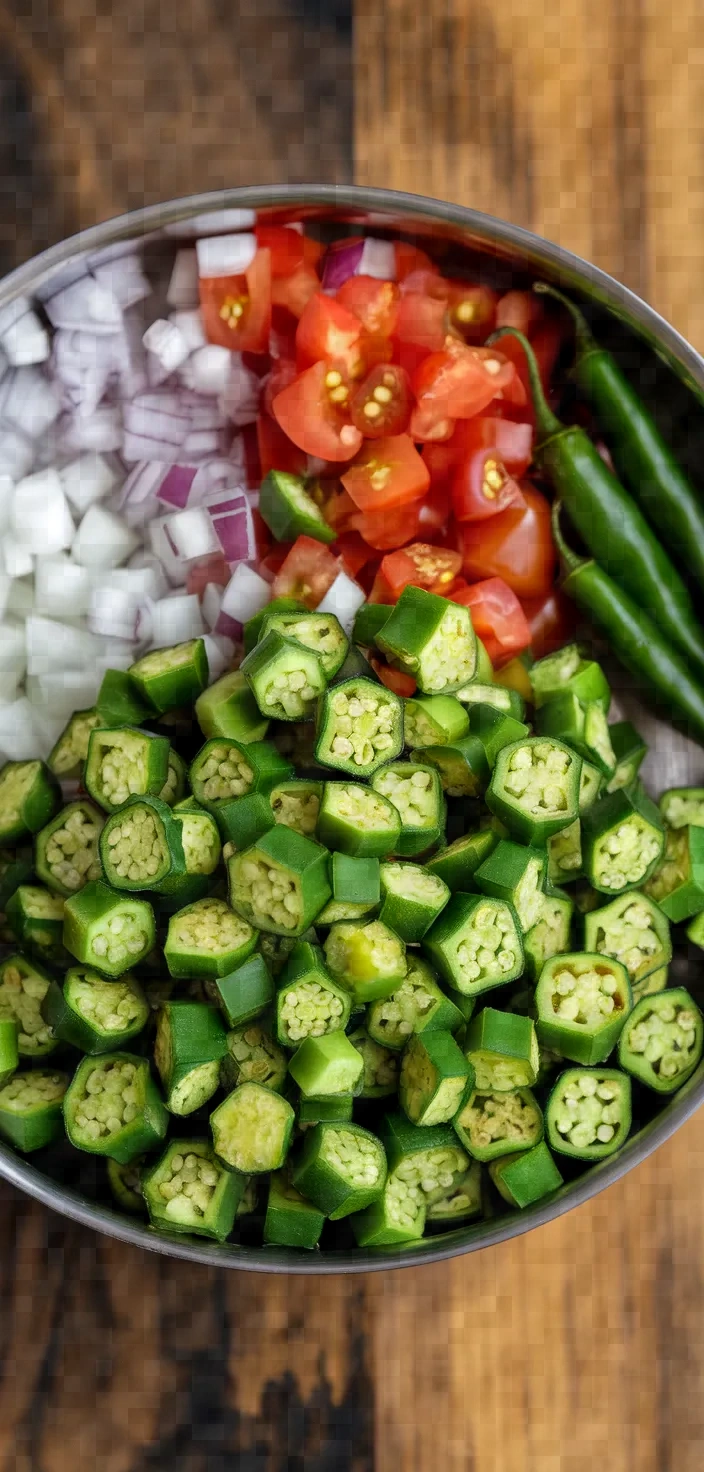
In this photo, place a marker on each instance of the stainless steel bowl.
(671, 374)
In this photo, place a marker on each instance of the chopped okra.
(66, 850)
(566, 670)
(655, 982)
(462, 765)
(434, 720)
(31, 1108)
(342, 1169)
(634, 931)
(355, 881)
(93, 1014)
(281, 883)
(188, 1190)
(527, 1177)
(427, 1158)
(491, 1124)
(320, 632)
(380, 1065)
(513, 872)
(297, 804)
(434, 1079)
(682, 807)
(253, 1056)
(125, 1182)
(416, 793)
(141, 846)
(124, 763)
(582, 1002)
(622, 840)
(432, 639)
(476, 943)
(582, 725)
(588, 1114)
(23, 987)
(245, 992)
(36, 918)
(458, 863)
(415, 1006)
(591, 783)
(325, 1065)
(29, 797)
(662, 1041)
(207, 939)
(285, 677)
(629, 749)
(308, 1002)
(565, 854)
(107, 929)
(550, 934)
(359, 727)
(228, 708)
(357, 820)
(290, 1221)
(411, 899)
(9, 1050)
(168, 678)
(221, 770)
(68, 755)
(190, 1043)
(365, 958)
(252, 1129)
(461, 1204)
(199, 837)
(502, 1048)
(534, 788)
(175, 785)
(677, 884)
(113, 1107)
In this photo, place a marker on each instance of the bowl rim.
(504, 240)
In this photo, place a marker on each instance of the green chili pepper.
(289, 509)
(588, 1113)
(609, 521)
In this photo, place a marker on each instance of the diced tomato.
(403, 685)
(282, 337)
(307, 572)
(472, 310)
(411, 258)
(312, 412)
(434, 512)
(421, 328)
(387, 473)
(270, 565)
(512, 442)
(432, 568)
(212, 569)
(337, 507)
(380, 590)
(286, 246)
(374, 302)
(237, 309)
(456, 383)
(386, 530)
(498, 618)
(282, 373)
(441, 459)
(381, 406)
(517, 546)
(276, 451)
(520, 309)
(354, 553)
(294, 292)
(482, 486)
(328, 332)
(552, 621)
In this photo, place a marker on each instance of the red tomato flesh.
(312, 411)
(309, 569)
(424, 566)
(328, 332)
(499, 620)
(403, 685)
(552, 621)
(237, 309)
(457, 383)
(482, 487)
(517, 546)
(387, 473)
(374, 302)
(276, 450)
(386, 530)
(381, 406)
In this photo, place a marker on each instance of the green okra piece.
(458, 863)
(199, 837)
(23, 987)
(108, 930)
(184, 891)
(289, 509)
(66, 851)
(243, 820)
(463, 1202)
(509, 702)
(355, 880)
(188, 1190)
(588, 1113)
(502, 1048)
(308, 1003)
(462, 765)
(67, 757)
(432, 639)
(29, 797)
(168, 678)
(290, 1220)
(418, 1005)
(425, 1165)
(95, 1015)
(435, 1078)
(359, 727)
(622, 841)
(358, 820)
(355, 667)
(564, 851)
(112, 1107)
(296, 804)
(580, 724)
(655, 982)
(246, 992)
(629, 749)
(495, 729)
(174, 789)
(398, 1215)
(288, 902)
(523, 1179)
(516, 873)
(207, 939)
(582, 1002)
(492, 1123)
(337, 910)
(31, 1114)
(16, 868)
(190, 1042)
(566, 670)
(341, 1170)
(476, 943)
(415, 790)
(120, 702)
(534, 788)
(662, 1040)
(677, 883)
(591, 783)
(433, 720)
(123, 762)
(325, 1065)
(254, 1057)
(141, 846)
(550, 934)
(285, 677)
(318, 1109)
(368, 622)
(276, 949)
(632, 929)
(320, 632)
(682, 807)
(365, 958)
(224, 769)
(412, 899)
(9, 1050)
(36, 918)
(252, 1129)
(379, 1064)
(125, 1182)
(253, 627)
(228, 708)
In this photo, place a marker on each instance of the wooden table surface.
(581, 1345)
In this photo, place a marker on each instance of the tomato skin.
(375, 302)
(482, 487)
(498, 619)
(387, 473)
(276, 451)
(420, 328)
(386, 530)
(423, 566)
(387, 392)
(253, 290)
(212, 569)
(552, 621)
(308, 570)
(285, 245)
(402, 685)
(434, 512)
(517, 546)
(283, 372)
(353, 552)
(309, 418)
(512, 442)
(457, 383)
(327, 332)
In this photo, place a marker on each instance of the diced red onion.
(23, 338)
(62, 587)
(207, 370)
(225, 255)
(123, 277)
(213, 222)
(137, 500)
(174, 566)
(239, 398)
(87, 479)
(167, 348)
(132, 375)
(175, 488)
(102, 431)
(230, 628)
(190, 325)
(236, 536)
(246, 594)
(192, 533)
(341, 261)
(219, 651)
(183, 286)
(343, 598)
(29, 402)
(84, 365)
(40, 518)
(103, 539)
(85, 306)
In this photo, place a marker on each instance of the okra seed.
(666, 1037)
(209, 926)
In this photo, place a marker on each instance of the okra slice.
(290, 1220)
(327, 1064)
(359, 727)
(254, 626)
(502, 1048)
(308, 1003)
(655, 982)
(415, 791)
(225, 768)
(622, 840)
(174, 789)
(457, 863)
(513, 872)
(341, 1170)
(281, 883)
(318, 1109)
(416, 1006)
(565, 854)
(435, 1078)
(125, 762)
(432, 639)
(368, 620)
(509, 702)
(228, 708)
(245, 992)
(36, 918)
(119, 702)
(550, 934)
(199, 837)
(171, 677)
(662, 1041)
(31, 1114)
(683, 807)
(93, 1014)
(337, 910)
(243, 820)
(296, 804)
(190, 1042)
(355, 880)
(493, 1123)
(582, 1002)
(188, 1190)
(591, 783)
(527, 1177)
(366, 958)
(677, 883)
(252, 1129)
(433, 720)
(358, 820)
(427, 1162)
(566, 670)
(66, 850)
(276, 949)
(9, 1051)
(67, 757)
(29, 797)
(285, 678)
(581, 725)
(495, 729)
(253, 1056)
(112, 1107)
(207, 939)
(411, 899)
(108, 930)
(534, 788)
(588, 1115)
(23, 987)
(380, 1065)
(290, 511)
(399, 1215)
(634, 931)
(462, 766)
(141, 846)
(321, 632)
(461, 1204)
(125, 1182)
(629, 748)
(16, 868)
(476, 943)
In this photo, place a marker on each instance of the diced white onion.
(63, 691)
(175, 619)
(52, 645)
(211, 603)
(192, 533)
(13, 650)
(101, 432)
(225, 255)
(103, 539)
(18, 561)
(378, 259)
(174, 565)
(40, 518)
(87, 479)
(23, 337)
(20, 733)
(241, 392)
(190, 325)
(20, 602)
(5, 586)
(183, 286)
(151, 566)
(212, 222)
(246, 594)
(207, 370)
(29, 402)
(85, 306)
(219, 652)
(122, 275)
(166, 345)
(62, 588)
(16, 452)
(113, 611)
(343, 598)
